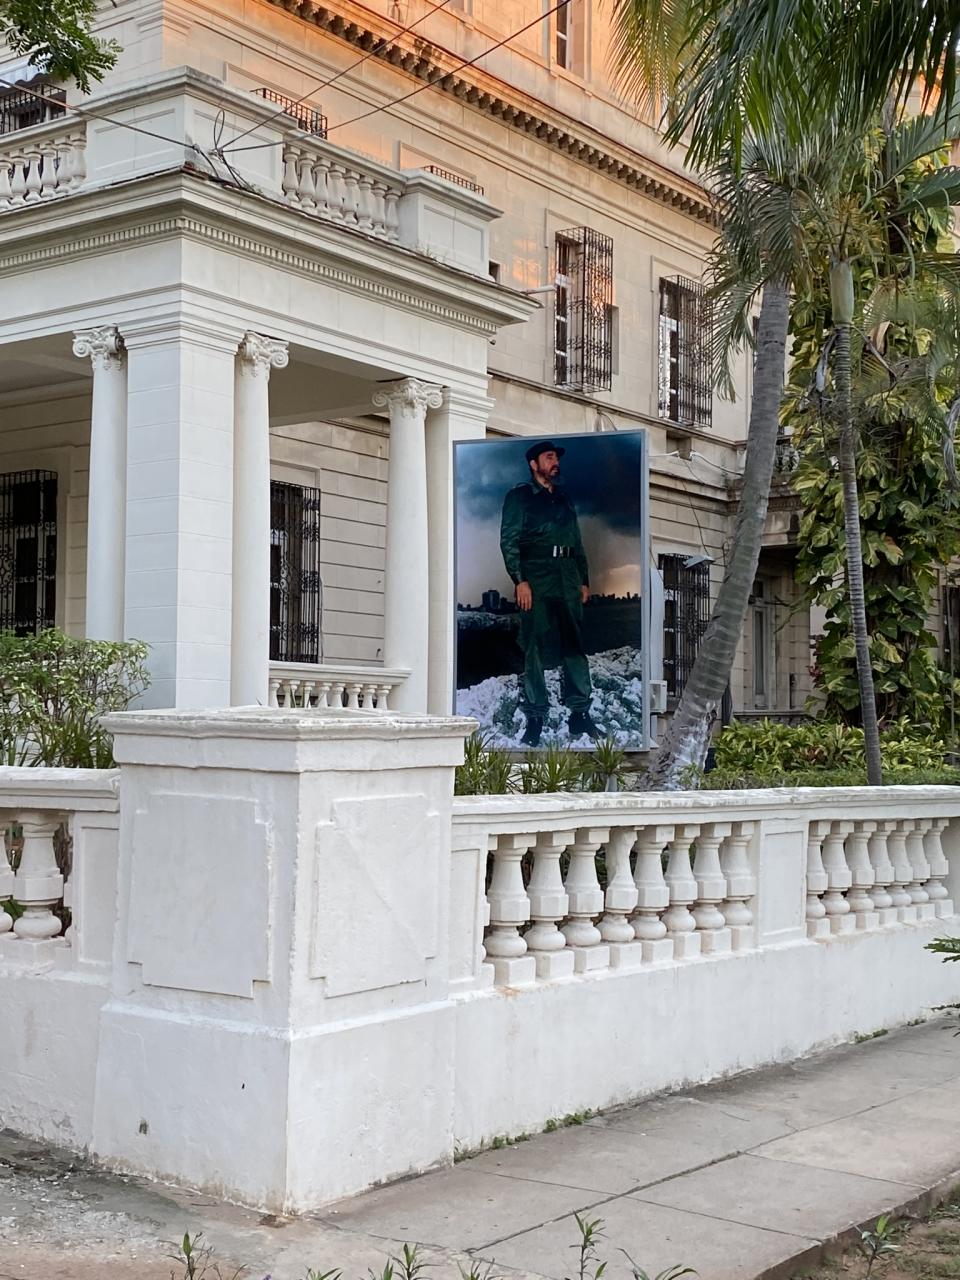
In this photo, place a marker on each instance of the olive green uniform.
(541, 544)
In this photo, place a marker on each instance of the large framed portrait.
(552, 601)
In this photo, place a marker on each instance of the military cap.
(545, 446)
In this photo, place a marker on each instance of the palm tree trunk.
(684, 745)
(851, 525)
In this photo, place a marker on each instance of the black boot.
(534, 729)
(581, 723)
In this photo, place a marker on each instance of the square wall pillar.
(460, 417)
(179, 518)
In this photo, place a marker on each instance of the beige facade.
(539, 126)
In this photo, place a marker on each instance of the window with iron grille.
(28, 551)
(686, 358)
(686, 612)
(19, 110)
(583, 310)
(296, 591)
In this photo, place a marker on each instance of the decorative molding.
(258, 355)
(422, 64)
(103, 345)
(98, 242)
(408, 398)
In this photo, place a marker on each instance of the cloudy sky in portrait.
(601, 474)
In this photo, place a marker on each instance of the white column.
(250, 628)
(460, 417)
(107, 498)
(406, 604)
(179, 561)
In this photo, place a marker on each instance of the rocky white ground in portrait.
(617, 706)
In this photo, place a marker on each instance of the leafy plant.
(553, 769)
(878, 1242)
(54, 689)
(605, 768)
(486, 770)
(589, 1264)
(194, 1255)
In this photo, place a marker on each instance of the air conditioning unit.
(658, 697)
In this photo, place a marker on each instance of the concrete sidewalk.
(731, 1179)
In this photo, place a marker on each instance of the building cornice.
(493, 97)
(182, 203)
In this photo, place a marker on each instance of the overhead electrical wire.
(388, 106)
(323, 84)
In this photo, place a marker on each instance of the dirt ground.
(927, 1250)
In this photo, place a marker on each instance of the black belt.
(552, 553)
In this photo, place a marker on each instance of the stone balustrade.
(614, 882)
(308, 687)
(277, 895)
(58, 835)
(42, 163)
(330, 183)
(414, 209)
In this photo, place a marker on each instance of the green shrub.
(54, 689)
(823, 754)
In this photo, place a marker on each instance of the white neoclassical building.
(162, 315)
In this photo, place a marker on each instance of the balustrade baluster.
(335, 192)
(818, 926)
(711, 889)
(919, 871)
(353, 695)
(882, 874)
(6, 879)
(902, 873)
(290, 183)
(37, 884)
(509, 908)
(273, 697)
(548, 906)
(741, 886)
(78, 167)
(383, 697)
(653, 895)
(586, 901)
(620, 899)
(305, 182)
(48, 170)
(678, 918)
(350, 196)
(839, 879)
(392, 215)
(32, 190)
(6, 194)
(364, 204)
(65, 165)
(379, 209)
(18, 192)
(861, 876)
(939, 868)
(320, 194)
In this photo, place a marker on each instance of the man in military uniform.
(544, 556)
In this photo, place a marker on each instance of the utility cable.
(323, 84)
(387, 106)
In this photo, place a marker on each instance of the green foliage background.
(910, 516)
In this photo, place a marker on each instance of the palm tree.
(735, 78)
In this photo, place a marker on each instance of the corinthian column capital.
(408, 398)
(258, 355)
(104, 346)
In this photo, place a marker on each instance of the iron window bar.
(686, 352)
(583, 310)
(449, 176)
(296, 588)
(19, 110)
(310, 119)
(686, 612)
(28, 551)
